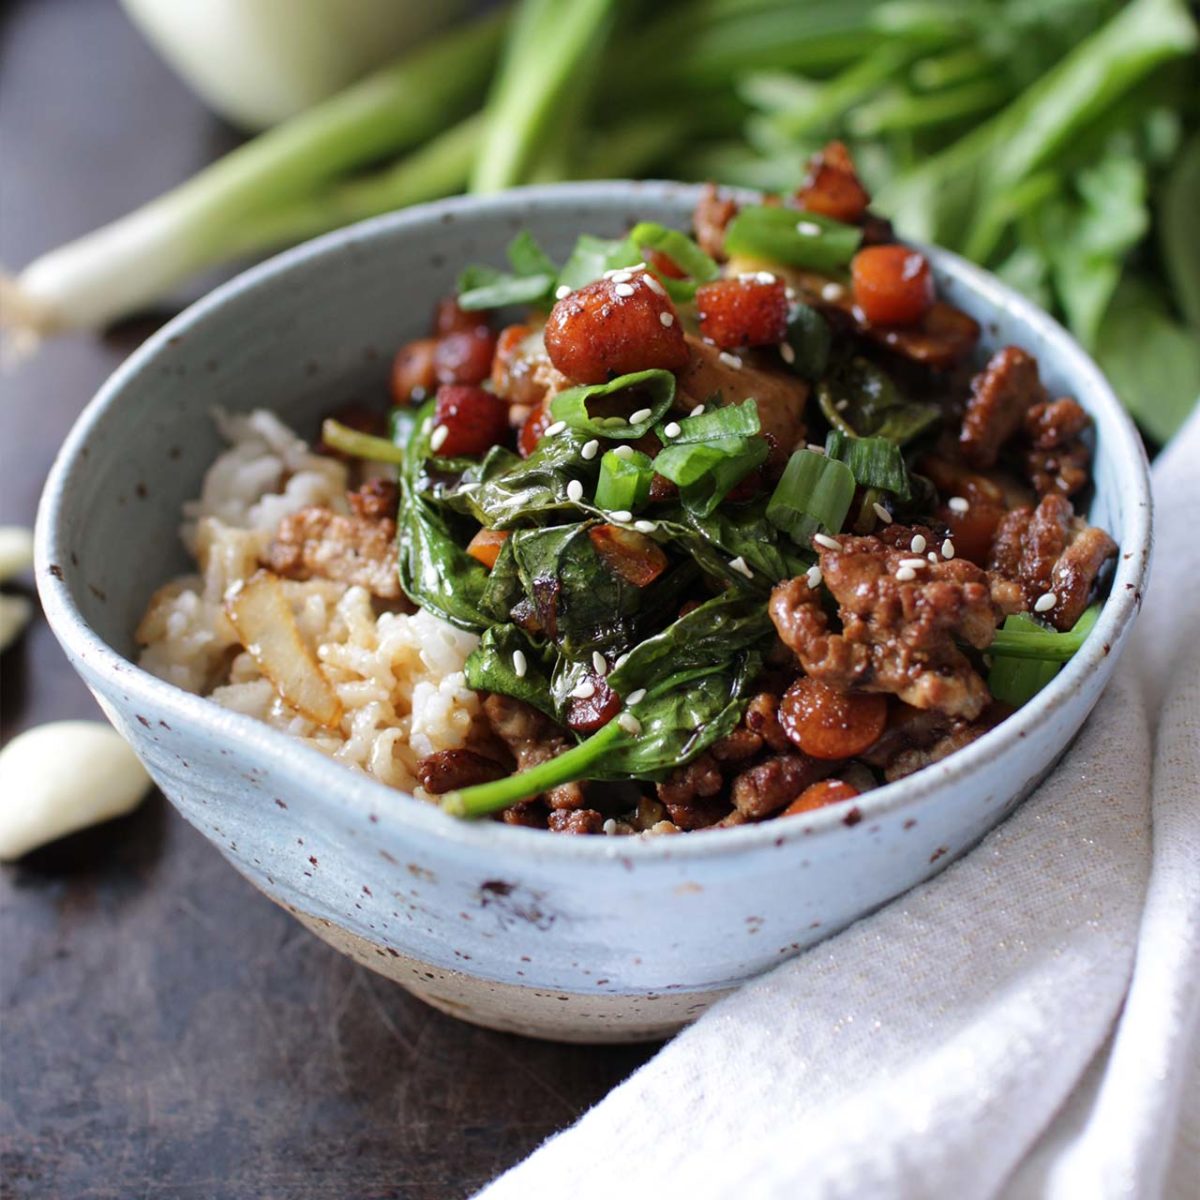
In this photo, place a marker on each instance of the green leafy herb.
(696, 675)
(491, 667)
(624, 483)
(814, 493)
(592, 256)
(604, 409)
(861, 400)
(531, 280)
(435, 571)
(505, 491)
(809, 337)
(792, 238)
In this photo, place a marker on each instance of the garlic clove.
(15, 612)
(62, 777)
(16, 551)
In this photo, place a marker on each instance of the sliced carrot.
(629, 554)
(830, 724)
(818, 795)
(486, 545)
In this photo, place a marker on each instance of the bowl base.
(550, 1014)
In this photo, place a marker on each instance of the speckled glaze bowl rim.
(372, 798)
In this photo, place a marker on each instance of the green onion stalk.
(261, 195)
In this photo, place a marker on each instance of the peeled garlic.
(62, 777)
(16, 551)
(15, 612)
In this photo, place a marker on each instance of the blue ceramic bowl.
(571, 938)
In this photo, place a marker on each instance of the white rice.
(399, 676)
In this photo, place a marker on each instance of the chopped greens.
(605, 409)
(1026, 655)
(813, 494)
(875, 462)
(793, 238)
(624, 483)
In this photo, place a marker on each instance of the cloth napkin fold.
(1023, 1025)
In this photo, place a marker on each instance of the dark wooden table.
(166, 1031)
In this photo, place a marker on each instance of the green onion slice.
(1023, 637)
(705, 472)
(624, 483)
(682, 251)
(360, 445)
(792, 237)
(875, 462)
(725, 421)
(814, 493)
(604, 409)
(531, 280)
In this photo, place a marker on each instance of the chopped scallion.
(360, 445)
(624, 483)
(814, 493)
(875, 462)
(682, 251)
(792, 238)
(1023, 637)
(705, 472)
(726, 421)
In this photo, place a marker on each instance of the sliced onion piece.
(260, 613)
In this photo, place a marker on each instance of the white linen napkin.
(1023, 1025)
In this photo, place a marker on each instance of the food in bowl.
(721, 530)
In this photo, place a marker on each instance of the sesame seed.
(906, 574)
(438, 438)
(555, 429)
(599, 662)
(623, 451)
(644, 526)
(914, 563)
(1045, 602)
(666, 319)
(918, 543)
(584, 690)
(575, 491)
(635, 697)
(816, 448)
(765, 277)
(958, 504)
(621, 514)
(739, 565)
(787, 352)
(842, 405)
(813, 576)
(642, 414)
(698, 411)
(609, 826)
(621, 276)
(932, 556)
(882, 513)
(562, 292)
(832, 291)
(621, 660)
(823, 539)
(808, 229)
(590, 449)
(624, 289)
(947, 549)
(629, 723)
(654, 285)
(520, 666)
(672, 429)
(730, 360)
(790, 293)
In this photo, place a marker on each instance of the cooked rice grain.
(398, 675)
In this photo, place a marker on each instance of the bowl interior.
(317, 327)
